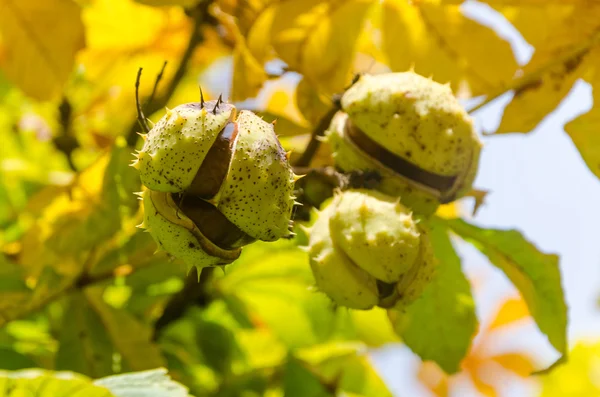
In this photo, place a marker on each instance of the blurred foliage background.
(82, 289)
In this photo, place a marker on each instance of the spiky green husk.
(418, 120)
(362, 237)
(257, 194)
(376, 232)
(335, 274)
(348, 157)
(176, 146)
(174, 232)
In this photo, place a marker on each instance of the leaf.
(248, 74)
(584, 130)
(84, 345)
(41, 383)
(151, 383)
(438, 41)
(162, 3)
(576, 377)
(299, 381)
(512, 310)
(373, 327)
(352, 373)
(77, 220)
(535, 274)
(315, 38)
(12, 360)
(130, 338)
(442, 323)
(519, 364)
(567, 52)
(38, 382)
(274, 282)
(41, 39)
(311, 103)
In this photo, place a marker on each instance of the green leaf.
(535, 274)
(441, 324)
(130, 338)
(151, 383)
(12, 360)
(84, 345)
(299, 381)
(274, 283)
(41, 383)
(345, 366)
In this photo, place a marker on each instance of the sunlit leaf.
(84, 345)
(576, 378)
(151, 383)
(512, 310)
(584, 129)
(40, 383)
(12, 360)
(157, 3)
(535, 274)
(274, 281)
(299, 381)
(40, 40)
(373, 327)
(438, 41)
(130, 337)
(441, 324)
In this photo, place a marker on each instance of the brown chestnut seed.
(212, 223)
(440, 183)
(214, 168)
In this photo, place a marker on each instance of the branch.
(66, 142)
(80, 281)
(201, 16)
(141, 118)
(194, 292)
(315, 138)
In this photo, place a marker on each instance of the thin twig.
(196, 37)
(80, 281)
(315, 138)
(194, 292)
(141, 118)
(156, 81)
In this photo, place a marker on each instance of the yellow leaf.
(160, 3)
(329, 50)
(108, 24)
(576, 378)
(512, 310)
(566, 54)
(40, 40)
(248, 74)
(436, 380)
(439, 40)
(535, 24)
(537, 3)
(483, 387)
(448, 211)
(315, 38)
(374, 327)
(515, 362)
(584, 129)
(311, 104)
